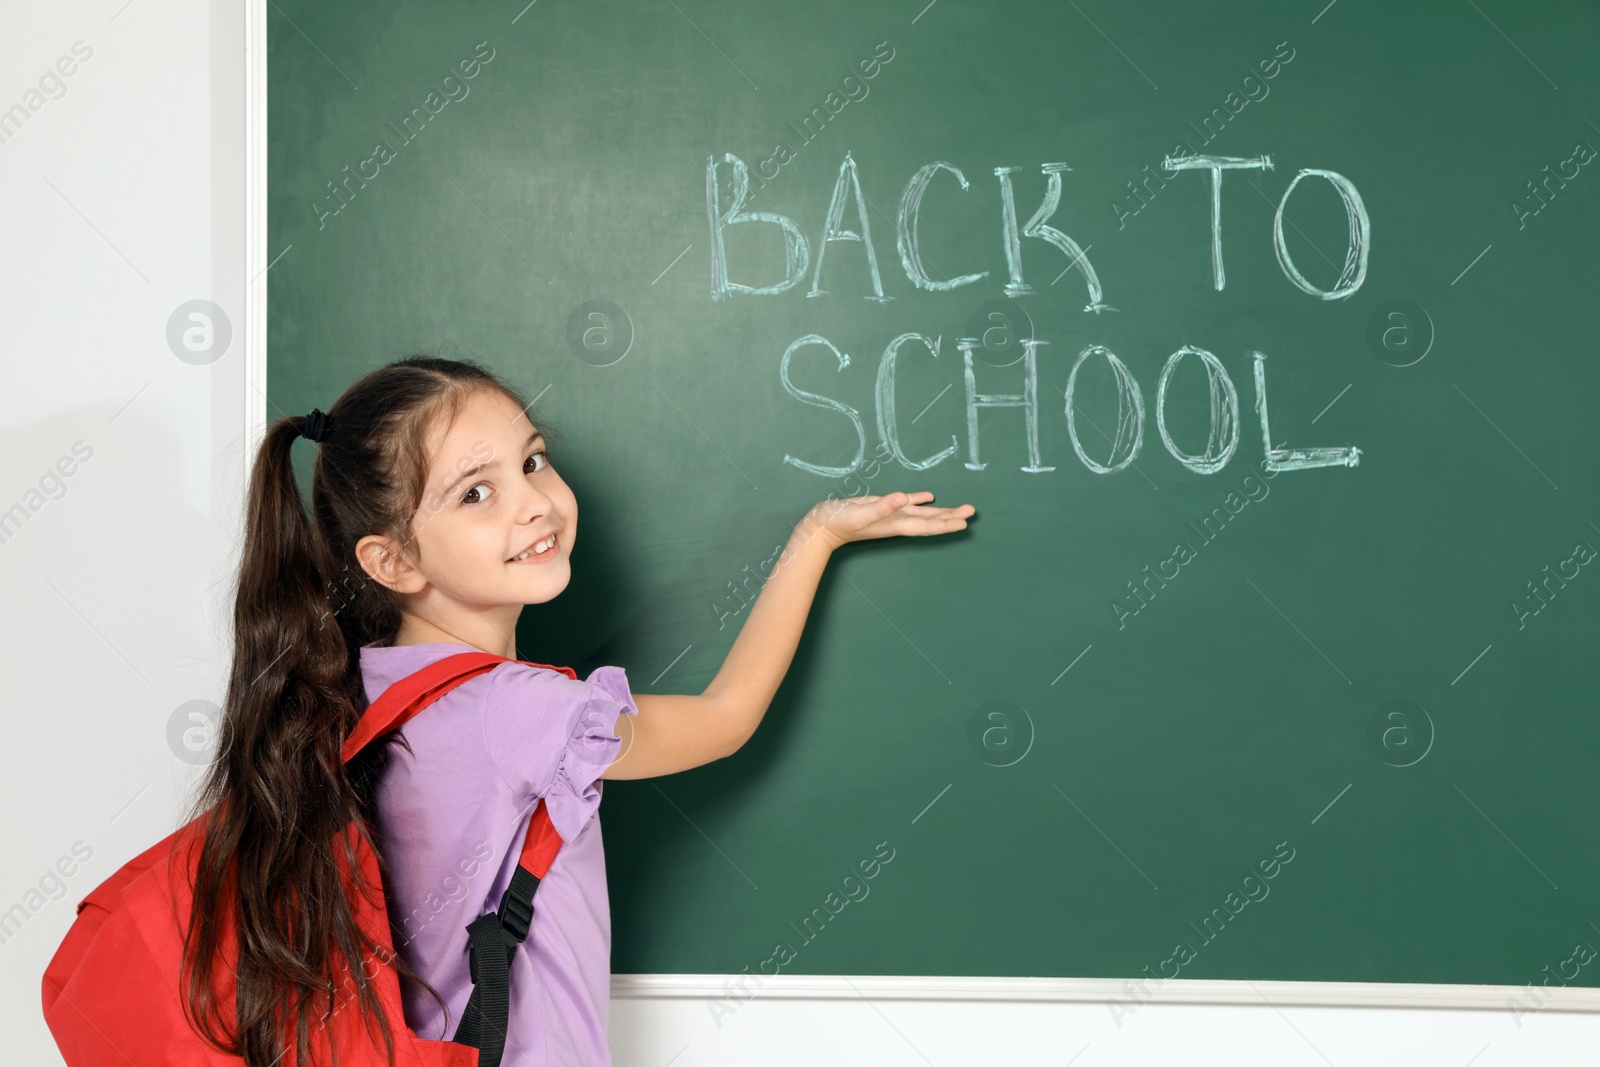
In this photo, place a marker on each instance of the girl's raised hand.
(862, 518)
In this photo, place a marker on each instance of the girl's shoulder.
(553, 736)
(516, 681)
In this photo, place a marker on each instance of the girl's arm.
(675, 732)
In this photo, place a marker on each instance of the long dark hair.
(278, 800)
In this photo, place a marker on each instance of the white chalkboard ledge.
(736, 987)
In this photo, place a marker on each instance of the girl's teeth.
(542, 546)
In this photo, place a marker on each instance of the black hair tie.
(314, 426)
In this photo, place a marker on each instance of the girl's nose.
(534, 504)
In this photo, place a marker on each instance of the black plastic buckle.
(515, 916)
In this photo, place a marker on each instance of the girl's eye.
(544, 464)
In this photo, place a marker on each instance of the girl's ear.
(383, 561)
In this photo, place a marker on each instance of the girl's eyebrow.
(480, 468)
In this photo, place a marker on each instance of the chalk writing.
(847, 188)
(1221, 443)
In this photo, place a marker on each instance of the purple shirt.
(453, 815)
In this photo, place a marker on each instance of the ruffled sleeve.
(550, 736)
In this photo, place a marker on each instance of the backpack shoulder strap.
(494, 937)
(399, 703)
(493, 940)
(405, 698)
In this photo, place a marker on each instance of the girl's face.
(490, 497)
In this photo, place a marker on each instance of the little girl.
(438, 515)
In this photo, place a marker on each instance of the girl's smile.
(541, 551)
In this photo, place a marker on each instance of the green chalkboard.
(1323, 710)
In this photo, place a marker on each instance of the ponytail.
(283, 811)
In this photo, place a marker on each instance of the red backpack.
(112, 992)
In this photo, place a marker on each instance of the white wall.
(125, 198)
